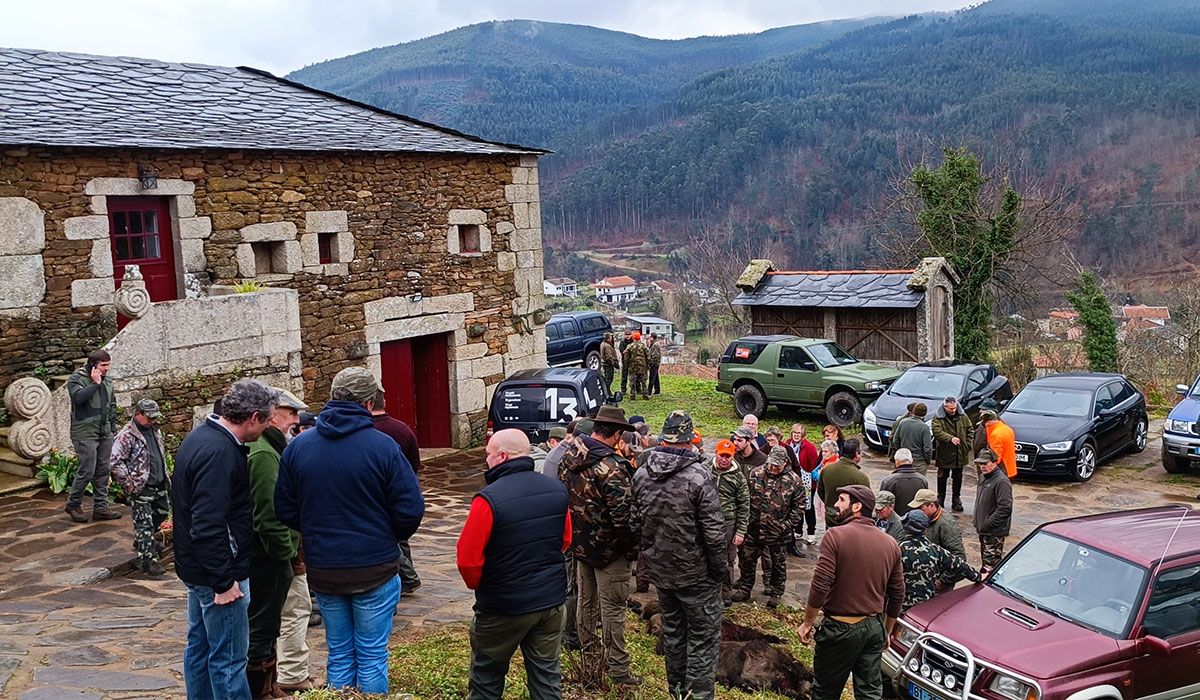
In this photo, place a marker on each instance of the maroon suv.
(1103, 606)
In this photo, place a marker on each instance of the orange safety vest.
(1003, 442)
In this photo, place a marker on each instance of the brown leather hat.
(613, 415)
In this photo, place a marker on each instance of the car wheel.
(748, 399)
(843, 409)
(592, 360)
(1085, 465)
(1139, 436)
(1173, 464)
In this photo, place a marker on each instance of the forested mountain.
(799, 145)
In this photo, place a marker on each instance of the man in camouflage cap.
(599, 485)
(139, 465)
(777, 503)
(636, 361)
(925, 563)
(680, 512)
(885, 515)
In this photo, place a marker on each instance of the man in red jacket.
(808, 457)
(511, 554)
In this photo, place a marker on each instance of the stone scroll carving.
(27, 398)
(132, 299)
(30, 439)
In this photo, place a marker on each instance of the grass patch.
(1181, 479)
(432, 662)
(712, 412)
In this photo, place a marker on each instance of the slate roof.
(886, 289)
(66, 99)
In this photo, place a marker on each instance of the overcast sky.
(283, 35)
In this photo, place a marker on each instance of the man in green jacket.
(954, 434)
(275, 546)
(735, 504)
(93, 422)
(912, 433)
(844, 472)
(942, 529)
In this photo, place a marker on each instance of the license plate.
(1022, 458)
(916, 692)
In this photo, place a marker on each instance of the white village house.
(560, 287)
(616, 290)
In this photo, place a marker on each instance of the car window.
(927, 383)
(831, 355)
(593, 392)
(538, 404)
(567, 329)
(1123, 392)
(594, 323)
(1073, 581)
(551, 331)
(1174, 603)
(1104, 397)
(976, 381)
(1052, 401)
(794, 358)
(742, 353)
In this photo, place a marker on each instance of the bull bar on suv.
(934, 667)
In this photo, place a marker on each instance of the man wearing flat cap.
(139, 465)
(274, 547)
(859, 584)
(353, 496)
(599, 485)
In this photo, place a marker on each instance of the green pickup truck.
(759, 370)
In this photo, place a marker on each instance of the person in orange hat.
(637, 362)
(734, 493)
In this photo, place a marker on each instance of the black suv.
(976, 386)
(536, 400)
(1070, 423)
(573, 338)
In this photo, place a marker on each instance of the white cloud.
(283, 35)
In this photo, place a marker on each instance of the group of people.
(599, 500)
(638, 363)
(267, 507)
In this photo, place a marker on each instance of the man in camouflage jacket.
(636, 363)
(925, 563)
(776, 505)
(654, 358)
(609, 361)
(683, 551)
(139, 465)
(604, 538)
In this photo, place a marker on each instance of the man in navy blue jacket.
(214, 532)
(511, 553)
(353, 497)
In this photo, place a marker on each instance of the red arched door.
(140, 233)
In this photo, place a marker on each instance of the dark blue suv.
(574, 338)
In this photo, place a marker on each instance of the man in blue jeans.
(353, 496)
(210, 497)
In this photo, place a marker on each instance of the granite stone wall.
(395, 221)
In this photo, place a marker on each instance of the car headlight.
(875, 386)
(1178, 426)
(1012, 688)
(906, 636)
(869, 417)
(1057, 446)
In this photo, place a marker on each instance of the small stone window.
(468, 238)
(270, 258)
(327, 248)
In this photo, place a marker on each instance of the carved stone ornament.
(132, 299)
(27, 398)
(30, 439)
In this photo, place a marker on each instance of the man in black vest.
(510, 553)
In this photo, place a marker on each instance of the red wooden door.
(416, 379)
(140, 231)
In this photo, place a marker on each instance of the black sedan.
(1067, 424)
(974, 385)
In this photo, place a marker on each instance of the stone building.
(134, 193)
(894, 317)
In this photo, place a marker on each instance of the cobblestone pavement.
(75, 624)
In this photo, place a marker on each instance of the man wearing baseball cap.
(353, 496)
(735, 506)
(275, 547)
(926, 565)
(993, 508)
(683, 552)
(1000, 440)
(942, 529)
(139, 465)
(885, 515)
(859, 583)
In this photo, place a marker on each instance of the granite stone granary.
(405, 247)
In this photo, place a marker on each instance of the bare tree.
(717, 256)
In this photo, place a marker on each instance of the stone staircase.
(11, 462)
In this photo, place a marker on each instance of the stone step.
(57, 380)
(4, 436)
(10, 463)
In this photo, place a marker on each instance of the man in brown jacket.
(859, 584)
